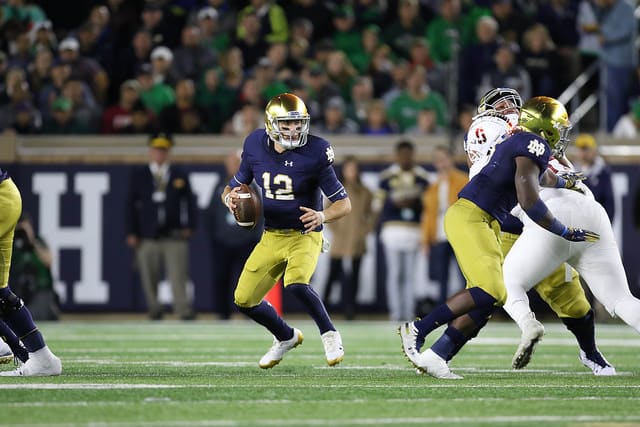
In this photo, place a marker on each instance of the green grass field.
(206, 374)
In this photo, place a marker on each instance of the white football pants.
(539, 252)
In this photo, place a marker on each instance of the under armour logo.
(288, 163)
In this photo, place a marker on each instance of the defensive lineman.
(292, 167)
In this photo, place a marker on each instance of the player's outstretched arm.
(526, 182)
(312, 219)
(568, 180)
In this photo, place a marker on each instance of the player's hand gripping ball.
(248, 207)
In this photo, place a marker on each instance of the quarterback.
(292, 167)
(17, 318)
(472, 225)
(561, 290)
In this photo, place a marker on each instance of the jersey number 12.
(285, 192)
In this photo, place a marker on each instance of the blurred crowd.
(362, 66)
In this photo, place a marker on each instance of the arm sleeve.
(330, 186)
(244, 174)
(533, 147)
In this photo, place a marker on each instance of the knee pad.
(10, 303)
(566, 300)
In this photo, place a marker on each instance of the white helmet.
(486, 130)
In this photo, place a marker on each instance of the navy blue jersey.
(290, 179)
(3, 175)
(396, 186)
(493, 188)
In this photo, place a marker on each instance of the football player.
(536, 253)
(472, 225)
(292, 167)
(562, 289)
(13, 312)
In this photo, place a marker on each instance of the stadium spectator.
(361, 98)
(441, 194)
(399, 200)
(26, 119)
(335, 120)
(320, 87)
(617, 25)
(368, 41)
(629, 125)
(227, 255)
(314, 11)
(404, 109)
(341, 72)
(141, 121)
(278, 54)
(227, 19)
(252, 44)
(507, 72)
(21, 12)
(598, 173)
(267, 83)
(347, 36)
(211, 36)
(559, 19)
(60, 72)
(153, 21)
(408, 25)
(83, 68)
(478, 57)
(191, 58)
(160, 219)
(348, 238)
(426, 124)
(118, 117)
(40, 70)
(370, 12)
(420, 54)
(233, 69)
(540, 60)
(214, 97)
(183, 116)
(155, 95)
(445, 30)
(376, 122)
(273, 21)
(85, 107)
(512, 24)
(383, 71)
(20, 51)
(162, 66)
(63, 121)
(131, 58)
(245, 120)
(43, 37)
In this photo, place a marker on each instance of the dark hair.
(444, 148)
(349, 159)
(405, 144)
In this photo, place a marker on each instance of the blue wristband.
(558, 228)
(538, 211)
(561, 183)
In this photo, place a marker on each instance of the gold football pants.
(279, 253)
(474, 236)
(10, 209)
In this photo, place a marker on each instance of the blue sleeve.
(533, 147)
(330, 185)
(244, 174)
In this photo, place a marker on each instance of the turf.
(206, 374)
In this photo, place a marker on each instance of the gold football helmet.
(287, 121)
(548, 118)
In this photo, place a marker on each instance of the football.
(248, 208)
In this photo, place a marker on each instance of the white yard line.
(353, 421)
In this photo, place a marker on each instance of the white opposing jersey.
(485, 132)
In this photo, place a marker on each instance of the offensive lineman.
(473, 223)
(561, 290)
(292, 167)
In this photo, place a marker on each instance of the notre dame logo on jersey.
(536, 147)
(330, 154)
